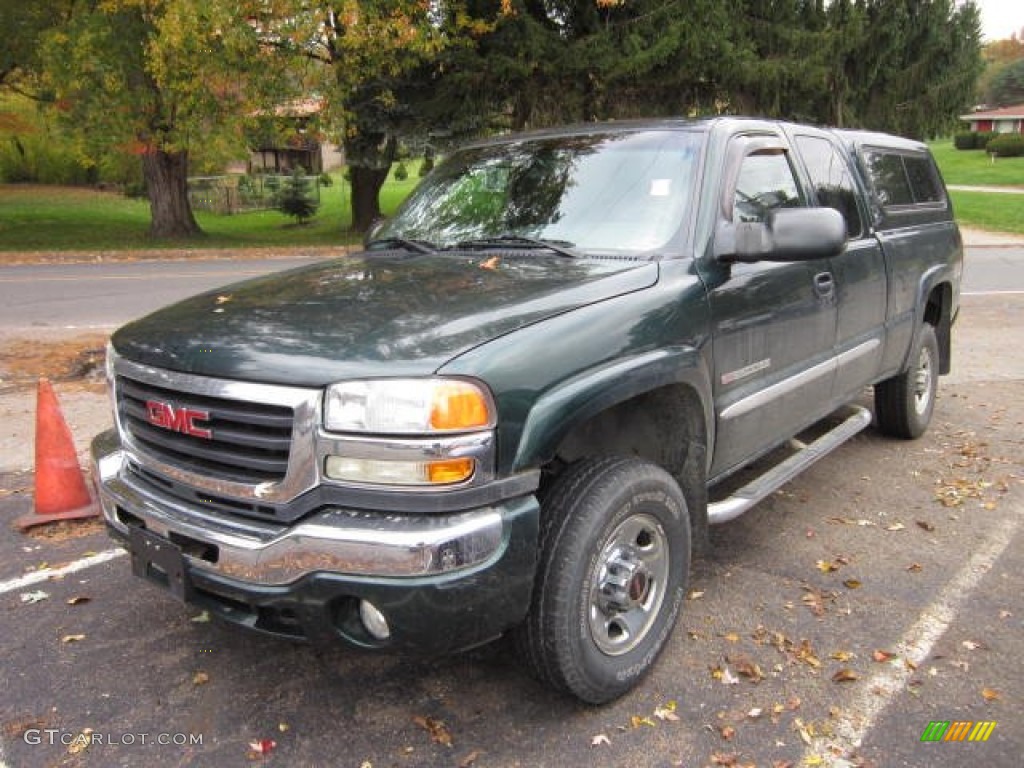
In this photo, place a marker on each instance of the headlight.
(407, 406)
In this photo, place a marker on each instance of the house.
(1004, 120)
(304, 149)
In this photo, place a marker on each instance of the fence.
(237, 194)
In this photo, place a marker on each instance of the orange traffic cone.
(61, 492)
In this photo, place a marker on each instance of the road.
(875, 594)
(53, 297)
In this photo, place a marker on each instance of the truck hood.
(369, 315)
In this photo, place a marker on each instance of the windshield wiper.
(418, 246)
(561, 247)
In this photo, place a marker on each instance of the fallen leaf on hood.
(600, 740)
(31, 598)
(72, 638)
(436, 728)
(845, 675)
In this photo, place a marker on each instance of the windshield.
(604, 193)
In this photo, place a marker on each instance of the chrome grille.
(249, 442)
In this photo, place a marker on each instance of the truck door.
(773, 323)
(860, 275)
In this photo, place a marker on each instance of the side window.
(904, 178)
(889, 179)
(833, 184)
(923, 182)
(765, 182)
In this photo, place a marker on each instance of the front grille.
(248, 442)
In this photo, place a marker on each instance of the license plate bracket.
(159, 560)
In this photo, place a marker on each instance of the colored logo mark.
(958, 730)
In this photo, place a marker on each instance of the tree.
(295, 199)
(1007, 86)
(154, 78)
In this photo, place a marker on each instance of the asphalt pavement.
(833, 624)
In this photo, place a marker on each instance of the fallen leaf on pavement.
(667, 712)
(825, 566)
(746, 667)
(202, 618)
(914, 567)
(200, 678)
(31, 598)
(925, 525)
(79, 600)
(852, 584)
(896, 527)
(261, 747)
(72, 638)
(636, 721)
(842, 655)
(845, 675)
(990, 694)
(727, 732)
(881, 656)
(436, 728)
(599, 740)
(469, 759)
(81, 742)
(971, 645)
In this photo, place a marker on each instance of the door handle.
(824, 284)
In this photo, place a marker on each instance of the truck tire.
(614, 562)
(904, 403)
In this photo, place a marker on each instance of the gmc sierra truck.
(515, 410)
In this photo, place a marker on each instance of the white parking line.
(877, 692)
(48, 573)
(992, 293)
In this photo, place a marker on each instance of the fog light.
(373, 620)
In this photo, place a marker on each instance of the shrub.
(982, 138)
(1006, 145)
(965, 140)
(326, 180)
(401, 172)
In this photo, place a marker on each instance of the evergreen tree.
(295, 198)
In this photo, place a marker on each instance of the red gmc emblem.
(166, 416)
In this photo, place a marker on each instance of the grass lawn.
(973, 167)
(989, 210)
(45, 218)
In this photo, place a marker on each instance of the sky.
(1000, 18)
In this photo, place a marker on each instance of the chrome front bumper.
(335, 539)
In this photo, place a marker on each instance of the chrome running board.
(763, 486)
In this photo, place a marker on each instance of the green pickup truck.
(517, 409)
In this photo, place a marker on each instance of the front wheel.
(615, 555)
(904, 403)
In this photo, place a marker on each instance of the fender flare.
(573, 401)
